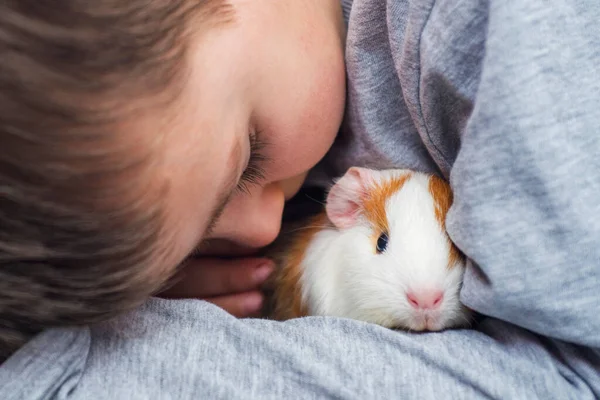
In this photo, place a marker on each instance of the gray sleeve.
(179, 350)
(193, 350)
(527, 176)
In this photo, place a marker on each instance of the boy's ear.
(346, 196)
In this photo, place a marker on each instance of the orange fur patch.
(375, 201)
(287, 293)
(455, 255)
(442, 197)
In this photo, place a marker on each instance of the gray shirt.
(502, 97)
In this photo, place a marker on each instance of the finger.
(209, 277)
(240, 305)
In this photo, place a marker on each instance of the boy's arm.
(193, 350)
(527, 176)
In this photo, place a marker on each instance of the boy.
(475, 90)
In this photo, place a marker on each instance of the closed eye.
(254, 172)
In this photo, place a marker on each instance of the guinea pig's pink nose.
(425, 299)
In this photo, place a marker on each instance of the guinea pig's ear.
(345, 198)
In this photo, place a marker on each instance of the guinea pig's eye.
(382, 242)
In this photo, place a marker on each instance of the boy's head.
(132, 130)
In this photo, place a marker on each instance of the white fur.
(344, 276)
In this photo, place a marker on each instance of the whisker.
(315, 200)
(305, 228)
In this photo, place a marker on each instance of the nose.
(252, 220)
(425, 299)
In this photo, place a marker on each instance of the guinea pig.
(378, 252)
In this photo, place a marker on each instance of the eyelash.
(254, 171)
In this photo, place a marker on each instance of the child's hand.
(230, 284)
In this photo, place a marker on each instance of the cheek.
(454, 278)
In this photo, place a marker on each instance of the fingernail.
(253, 303)
(263, 272)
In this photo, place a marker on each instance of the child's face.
(278, 72)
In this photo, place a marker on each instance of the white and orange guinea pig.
(379, 253)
